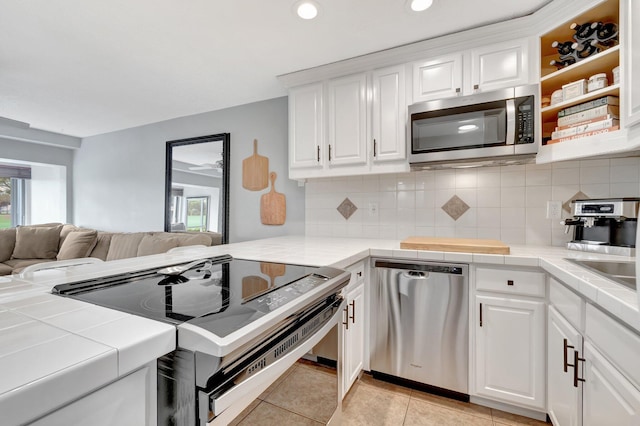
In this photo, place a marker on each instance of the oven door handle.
(231, 403)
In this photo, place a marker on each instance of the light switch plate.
(554, 209)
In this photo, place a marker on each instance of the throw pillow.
(78, 244)
(36, 242)
(7, 243)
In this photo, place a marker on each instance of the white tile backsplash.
(506, 203)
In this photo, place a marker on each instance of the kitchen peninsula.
(74, 349)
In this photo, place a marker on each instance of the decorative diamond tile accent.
(455, 207)
(578, 196)
(347, 208)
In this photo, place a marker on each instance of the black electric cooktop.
(226, 293)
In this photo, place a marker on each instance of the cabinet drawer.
(513, 281)
(615, 341)
(569, 304)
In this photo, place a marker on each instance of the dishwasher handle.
(422, 267)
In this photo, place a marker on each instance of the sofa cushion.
(103, 242)
(78, 244)
(19, 264)
(193, 239)
(37, 242)
(5, 269)
(124, 246)
(156, 244)
(7, 243)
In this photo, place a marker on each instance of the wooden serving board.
(468, 245)
(255, 171)
(273, 205)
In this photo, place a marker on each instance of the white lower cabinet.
(510, 341)
(599, 385)
(609, 398)
(564, 398)
(353, 337)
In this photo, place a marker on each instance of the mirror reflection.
(197, 185)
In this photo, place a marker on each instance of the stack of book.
(586, 119)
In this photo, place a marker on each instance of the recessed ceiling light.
(420, 5)
(306, 9)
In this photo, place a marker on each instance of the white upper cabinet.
(347, 112)
(437, 78)
(500, 65)
(389, 114)
(306, 127)
(631, 19)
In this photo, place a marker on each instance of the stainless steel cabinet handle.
(359, 274)
(567, 346)
(374, 148)
(329, 152)
(576, 360)
(346, 322)
(481, 315)
(458, 90)
(353, 312)
(476, 87)
(318, 153)
(509, 282)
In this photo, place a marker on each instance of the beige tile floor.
(305, 394)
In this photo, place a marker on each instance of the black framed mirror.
(197, 185)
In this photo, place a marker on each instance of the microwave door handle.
(511, 122)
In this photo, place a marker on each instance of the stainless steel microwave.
(491, 126)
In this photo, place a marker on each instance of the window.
(13, 195)
(198, 213)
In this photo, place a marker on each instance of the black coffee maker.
(606, 225)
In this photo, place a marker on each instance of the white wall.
(506, 203)
(119, 176)
(48, 190)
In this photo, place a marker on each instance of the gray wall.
(37, 153)
(119, 176)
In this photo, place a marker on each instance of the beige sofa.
(28, 245)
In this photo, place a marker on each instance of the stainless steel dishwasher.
(420, 325)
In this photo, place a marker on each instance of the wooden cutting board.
(273, 205)
(255, 170)
(469, 245)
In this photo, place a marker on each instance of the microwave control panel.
(525, 119)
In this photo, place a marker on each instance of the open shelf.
(550, 113)
(603, 62)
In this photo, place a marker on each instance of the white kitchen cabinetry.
(600, 382)
(482, 69)
(437, 78)
(389, 115)
(609, 398)
(509, 331)
(347, 113)
(306, 120)
(631, 21)
(353, 323)
(353, 125)
(500, 65)
(564, 399)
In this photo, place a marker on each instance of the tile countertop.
(100, 345)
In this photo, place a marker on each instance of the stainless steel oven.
(240, 326)
(479, 126)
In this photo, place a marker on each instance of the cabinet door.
(305, 126)
(500, 65)
(631, 76)
(564, 399)
(353, 338)
(609, 398)
(389, 114)
(437, 78)
(347, 111)
(510, 350)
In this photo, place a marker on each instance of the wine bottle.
(583, 32)
(561, 63)
(563, 48)
(586, 49)
(606, 34)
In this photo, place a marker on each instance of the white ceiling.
(85, 67)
